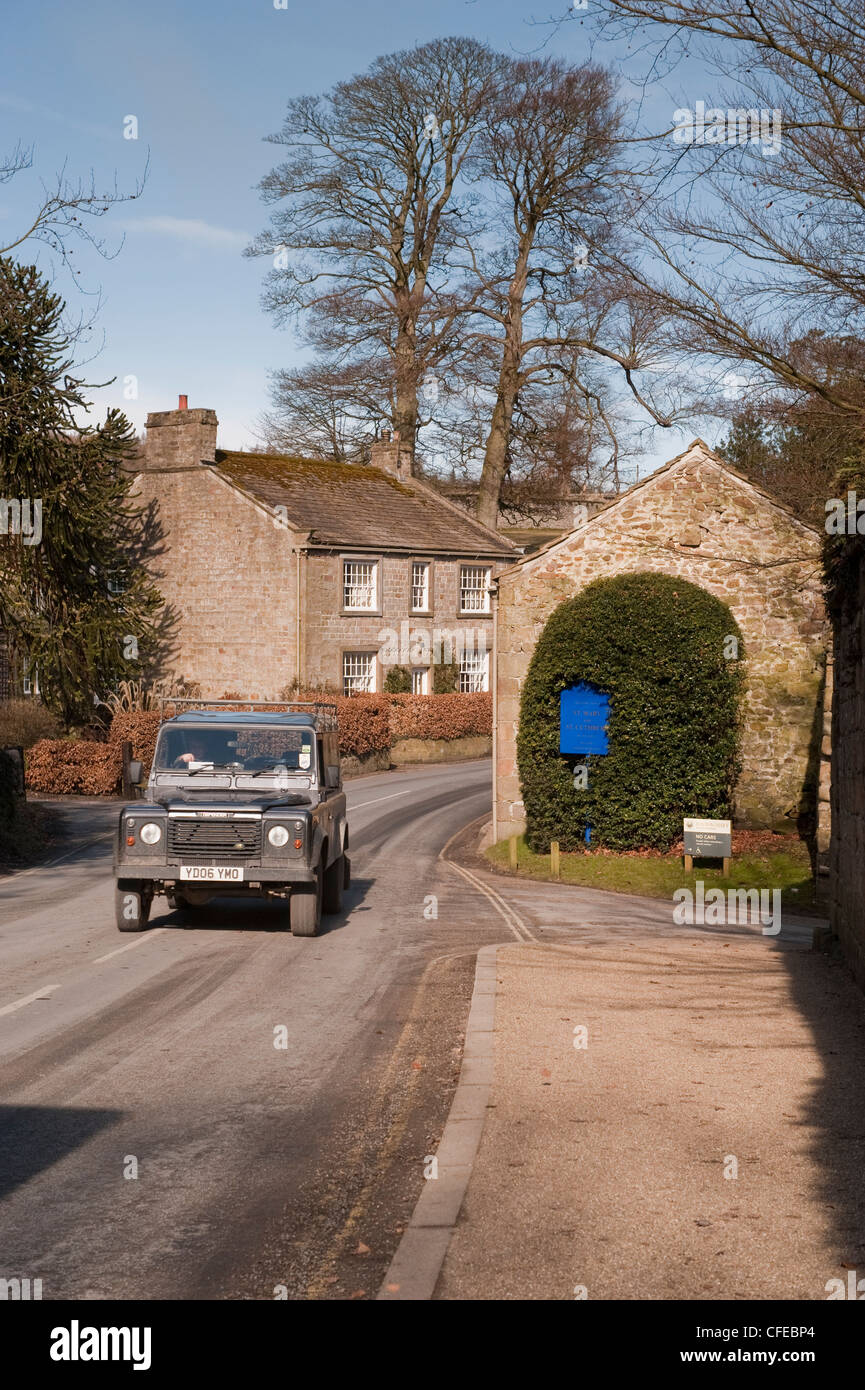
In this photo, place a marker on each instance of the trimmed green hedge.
(656, 645)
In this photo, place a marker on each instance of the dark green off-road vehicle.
(241, 803)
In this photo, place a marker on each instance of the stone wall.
(228, 572)
(697, 519)
(329, 631)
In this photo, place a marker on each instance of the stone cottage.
(282, 568)
(698, 518)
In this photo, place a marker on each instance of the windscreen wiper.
(288, 771)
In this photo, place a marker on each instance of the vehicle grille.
(204, 839)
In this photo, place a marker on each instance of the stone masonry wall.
(229, 572)
(330, 631)
(697, 520)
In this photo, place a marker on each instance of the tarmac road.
(156, 1143)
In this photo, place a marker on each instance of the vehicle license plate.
(211, 873)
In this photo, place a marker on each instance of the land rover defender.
(241, 803)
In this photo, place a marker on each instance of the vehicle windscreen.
(242, 749)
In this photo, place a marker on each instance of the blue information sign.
(583, 715)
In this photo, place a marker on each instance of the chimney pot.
(182, 403)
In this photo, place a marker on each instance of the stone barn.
(699, 519)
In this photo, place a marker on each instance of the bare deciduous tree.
(64, 213)
(752, 246)
(551, 304)
(365, 213)
(324, 411)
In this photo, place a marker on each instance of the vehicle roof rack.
(323, 712)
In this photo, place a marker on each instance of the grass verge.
(771, 861)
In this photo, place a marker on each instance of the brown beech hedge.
(367, 724)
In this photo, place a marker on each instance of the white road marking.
(28, 999)
(511, 916)
(147, 936)
(375, 802)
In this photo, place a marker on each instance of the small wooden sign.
(708, 839)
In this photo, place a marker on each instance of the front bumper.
(151, 871)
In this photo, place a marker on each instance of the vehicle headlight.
(278, 836)
(150, 833)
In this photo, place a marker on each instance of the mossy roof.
(358, 506)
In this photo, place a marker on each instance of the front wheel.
(132, 901)
(304, 908)
(334, 879)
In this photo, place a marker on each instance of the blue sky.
(206, 80)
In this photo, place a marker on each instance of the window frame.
(376, 562)
(428, 610)
(485, 673)
(423, 672)
(474, 612)
(349, 652)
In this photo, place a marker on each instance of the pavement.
(671, 1112)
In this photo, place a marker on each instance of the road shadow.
(33, 1138)
(834, 1007)
(255, 915)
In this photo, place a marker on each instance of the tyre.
(304, 908)
(334, 879)
(346, 882)
(132, 901)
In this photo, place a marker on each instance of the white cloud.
(189, 229)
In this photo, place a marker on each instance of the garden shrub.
(655, 644)
(441, 716)
(60, 766)
(138, 727)
(24, 721)
(398, 681)
(445, 677)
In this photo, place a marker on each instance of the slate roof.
(356, 506)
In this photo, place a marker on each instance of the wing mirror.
(331, 780)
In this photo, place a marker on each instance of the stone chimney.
(181, 438)
(385, 454)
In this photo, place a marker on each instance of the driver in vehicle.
(196, 752)
(201, 748)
